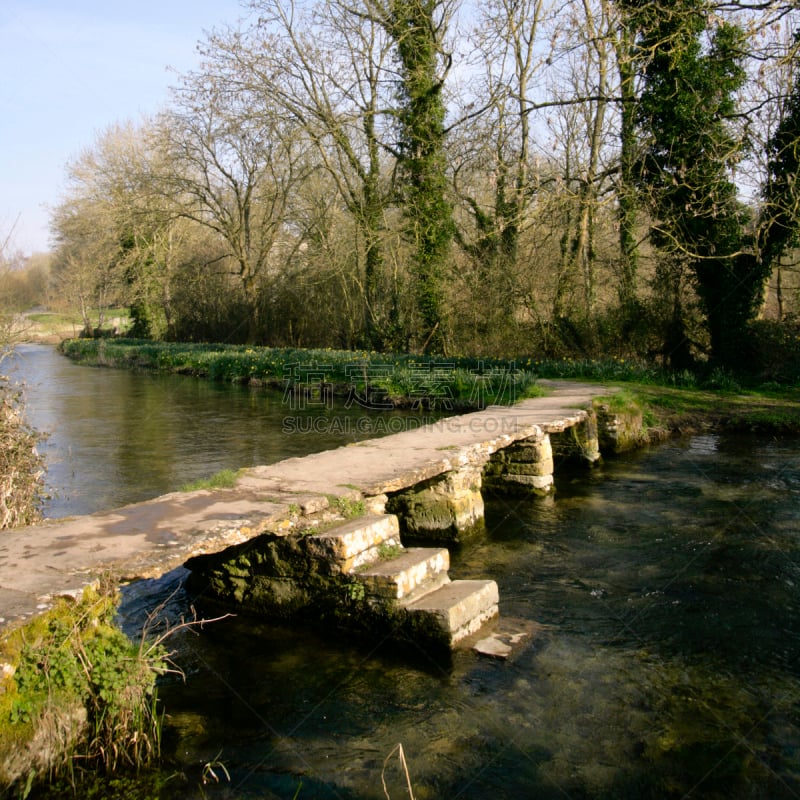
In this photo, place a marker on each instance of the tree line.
(503, 178)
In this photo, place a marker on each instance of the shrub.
(774, 350)
(21, 466)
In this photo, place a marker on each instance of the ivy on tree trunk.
(422, 163)
(691, 74)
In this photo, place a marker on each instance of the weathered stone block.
(619, 431)
(441, 509)
(456, 610)
(354, 543)
(579, 443)
(524, 467)
(403, 575)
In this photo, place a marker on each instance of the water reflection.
(117, 437)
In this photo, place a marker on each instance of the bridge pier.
(443, 508)
(525, 467)
(448, 507)
(580, 443)
(620, 431)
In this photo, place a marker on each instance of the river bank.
(672, 403)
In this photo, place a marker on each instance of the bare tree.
(590, 71)
(328, 69)
(232, 167)
(116, 237)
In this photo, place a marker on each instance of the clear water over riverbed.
(667, 587)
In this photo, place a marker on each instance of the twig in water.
(402, 756)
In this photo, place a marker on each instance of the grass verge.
(374, 381)
(685, 410)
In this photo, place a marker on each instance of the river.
(666, 587)
(115, 437)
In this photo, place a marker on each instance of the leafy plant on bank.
(375, 380)
(73, 664)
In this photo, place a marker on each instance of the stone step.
(457, 609)
(356, 542)
(408, 574)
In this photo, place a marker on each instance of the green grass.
(51, 318)
(73, 318)
(688, 409)
(347, 507)
(373, 380)
(224, 479)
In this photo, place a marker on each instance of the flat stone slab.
(459, 607)
(357, 542)
(507, 637)
(150, 539)
(409, 571)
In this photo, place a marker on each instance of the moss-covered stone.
(443, 509)
(579, 444)
(526, 467)
(620, 430)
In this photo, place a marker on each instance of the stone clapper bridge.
(324, 537)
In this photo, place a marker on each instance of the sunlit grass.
(224, 479)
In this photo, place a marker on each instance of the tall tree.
(327, 67)
(232, 168)
(490, 153)
(590, 78)
(625, 47)
(781, 208)
(690, 148)
(115, 234)
(418, 29)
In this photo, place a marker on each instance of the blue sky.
(69, 70)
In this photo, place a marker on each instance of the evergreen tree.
(781, 210)
(417, 27)
(690, 148)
